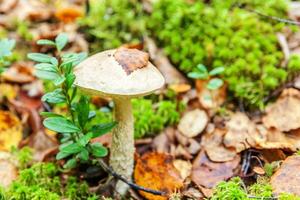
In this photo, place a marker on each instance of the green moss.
(215, 34)
(42, 182)
(231, 190)
(112, 23)
(24, 156)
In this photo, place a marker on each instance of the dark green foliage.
(76, 134)
(42, 182)
(114, 22)
(215, 35)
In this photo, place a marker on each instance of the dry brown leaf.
(10, 130)
(156, 171)
(68, 14)
(131, 59)
(213, 145)
(241, 132)
(8, 169)
(207, 173)
(161, 61)
(21, 72)
(193, 123)
(287, 177)
(180, 88)
(275, 139)
(284, 114)
(210, 99)
(184, 168)
(259, 170)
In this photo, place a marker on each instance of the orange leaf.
(156, 171)
(68, 14)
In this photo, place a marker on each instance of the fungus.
(120, 74)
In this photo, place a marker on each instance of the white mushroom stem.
(122, 146)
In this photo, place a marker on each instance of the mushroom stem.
(122, 146)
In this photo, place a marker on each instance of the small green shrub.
(6, 47)
(112, 23)
(218, 34)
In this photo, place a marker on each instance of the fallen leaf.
(10, 130)
(180, 88)
(68, 14)
(8, 169)
(7, 5)
(131, 59)
(184, 168)
(287, 177)
(275, 139)
(161, 61)
(259, 170)
(213, 145)
(208, 174)
(156, 171)
(193, 123)
(21, 72)
(210, 99)
(7, 91)
(284, 114)
(240, 132)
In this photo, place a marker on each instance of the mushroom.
(120, 74)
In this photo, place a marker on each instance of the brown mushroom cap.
(101, 74)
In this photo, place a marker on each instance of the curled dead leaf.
(287, 177)
(241, 132)
(193, 123)
(10, 130)
(284, 114)
(213, 145)
(180, 88)
(207, 173)
(156, 171)
(131, 59)
(184, 168)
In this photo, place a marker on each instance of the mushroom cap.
(101, 74)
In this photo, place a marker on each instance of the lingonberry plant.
(202, 73)
(76, 145)
(6, 47)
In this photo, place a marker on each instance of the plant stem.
(122, 147)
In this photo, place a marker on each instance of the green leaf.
(98, 150)
(202, 69)
(62, 155)
(46, 42)
(46, 75)
(83, 155)
(50, 114)
(71, 148)
(61, 125)
(54, 61)
(214, 84)
(197, 75)
(83, 109)
(101, 129)
(6, 47)
(59, 80)
(73, 58)
(39, 57)
(70, 164)
(85, 139)
(61, 40)
(56, 96)
(70, 78)
(46, 67)
(216, 71)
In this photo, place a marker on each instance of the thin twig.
(286, 21)
(132, 185)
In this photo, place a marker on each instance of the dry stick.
(132, 185)
(287, 21)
